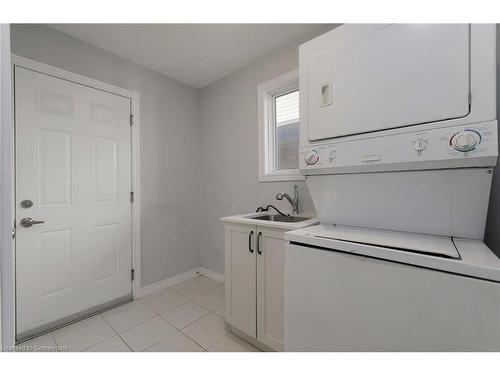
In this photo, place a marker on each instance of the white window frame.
(267, 92)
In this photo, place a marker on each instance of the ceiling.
(195, 54)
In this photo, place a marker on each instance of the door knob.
(28, 222)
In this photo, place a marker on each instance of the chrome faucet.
(293, 201)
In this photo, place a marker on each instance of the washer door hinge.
(131, 120)
(132, 274)
(131, 197)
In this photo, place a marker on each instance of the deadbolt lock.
(26, 203)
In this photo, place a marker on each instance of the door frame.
(7, 323)
(135, 158)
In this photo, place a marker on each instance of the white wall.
(215, 130)
(229, 163)
(169, 127)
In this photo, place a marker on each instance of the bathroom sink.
(281, 218)
(273, 220)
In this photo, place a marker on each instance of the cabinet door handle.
(258, 243)
(250, 241)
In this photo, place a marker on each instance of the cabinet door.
(240, 277)
(270, 287)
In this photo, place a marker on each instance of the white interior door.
(73, 161)
(396, 76)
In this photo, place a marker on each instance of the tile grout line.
(157, 342)
(196, 303)
(165, 319)
(157, 315)
(172, 288)
(128, 346)
(178, 331)
(103, 318)
(211, 312)
(218, 340)
(117, 334)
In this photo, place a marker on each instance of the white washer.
(398, 133)
(356, 289)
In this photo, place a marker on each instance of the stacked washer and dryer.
(398, 139)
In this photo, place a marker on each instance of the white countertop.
(251, 219)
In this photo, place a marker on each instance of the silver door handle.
(28, 222)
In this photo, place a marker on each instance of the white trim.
(289, 175)
(7, 301)
(135, 149)
(69, 76)
(136, 188)
(211, 274)
(162, 284)
(266, 91)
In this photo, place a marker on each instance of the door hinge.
(131, 197)
(132, 274)
(131, 120)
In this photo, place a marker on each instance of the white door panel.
(73, 163)
(395, 76)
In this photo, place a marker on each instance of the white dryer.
(398, 140)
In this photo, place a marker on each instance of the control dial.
(311, 157)
(465, 140)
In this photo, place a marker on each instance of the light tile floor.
(186, 317)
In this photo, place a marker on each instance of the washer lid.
(440, 246)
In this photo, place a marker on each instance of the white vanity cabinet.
(254, 273)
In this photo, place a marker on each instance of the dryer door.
(391, 77)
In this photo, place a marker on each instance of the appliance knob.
(420, 145)
(311, 157)
(332, 155)
(465, 140)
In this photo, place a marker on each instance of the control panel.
(452, 147)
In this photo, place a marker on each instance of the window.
(279, 129)
(286, 109)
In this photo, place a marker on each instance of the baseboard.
(212, 274)
(162, 284)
